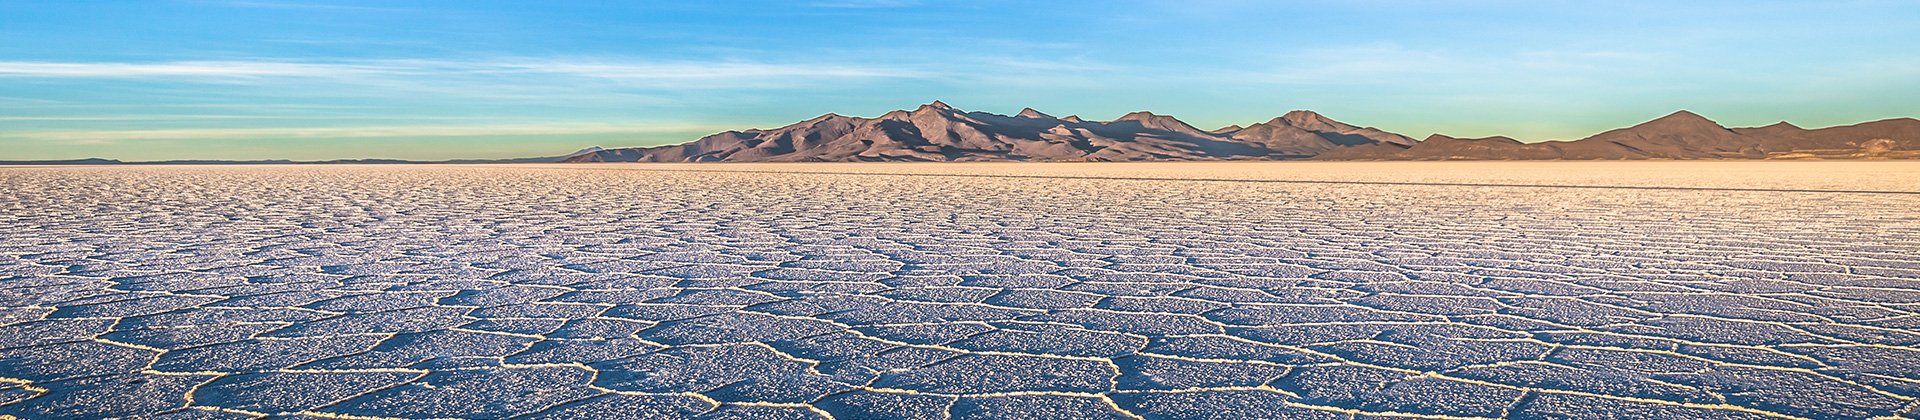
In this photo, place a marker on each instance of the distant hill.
(1681, 135)
(937, 132)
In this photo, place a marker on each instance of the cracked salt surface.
(1425, 290)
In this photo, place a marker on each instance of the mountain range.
(1681, 135)
(937, 132)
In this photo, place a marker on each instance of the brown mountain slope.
(1305, 133)
(1681, 135)
(938, 132)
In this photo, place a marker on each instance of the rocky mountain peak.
(1681, 118)
(1311, 121)
(1034, 114)
(938, 132)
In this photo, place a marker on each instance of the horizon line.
(108, 137)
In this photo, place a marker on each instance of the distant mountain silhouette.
(938, 132)
(1681, 135)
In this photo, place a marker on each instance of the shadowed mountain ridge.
(938, 132)
(1681, 135)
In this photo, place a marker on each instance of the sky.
(329, 79)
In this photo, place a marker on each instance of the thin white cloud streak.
(864, 4)
(1366, 63)
(696, 71)
(238, 117)
(309, 6)
(678, 74)
(204, 69)
(397, 131)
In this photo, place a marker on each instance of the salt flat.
(1192, 290)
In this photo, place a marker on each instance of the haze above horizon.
(310, 80)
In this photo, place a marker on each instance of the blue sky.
(251, 79)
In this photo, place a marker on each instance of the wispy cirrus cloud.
(676, 74)
(739, 71)
(863, 4)
(180, 117)
(1456, 70)
(309, 6)
(184, 69)
(398, 131)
